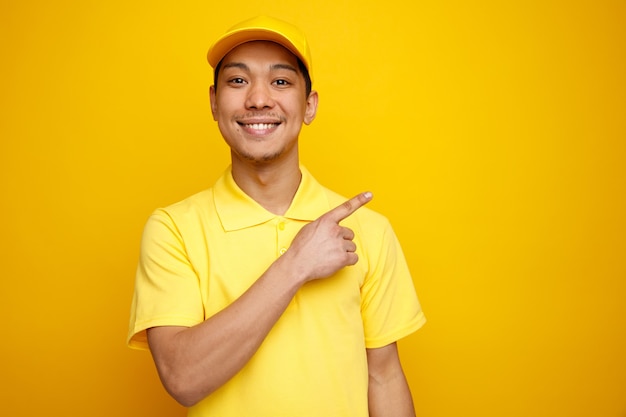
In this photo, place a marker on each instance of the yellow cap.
(262, 28)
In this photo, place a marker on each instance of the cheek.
(298, 108)
(221, 112)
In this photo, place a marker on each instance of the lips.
(258, 126)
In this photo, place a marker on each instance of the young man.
(268, 294)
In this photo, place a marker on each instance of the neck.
(272, 185)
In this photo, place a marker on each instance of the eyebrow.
(284, 66)
(239, 65)
(245, 67)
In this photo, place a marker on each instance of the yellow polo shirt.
(199, 255)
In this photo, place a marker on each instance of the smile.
(260, 126)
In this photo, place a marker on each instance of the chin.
(261, 159)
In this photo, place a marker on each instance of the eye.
(236, 80)
(282, 82)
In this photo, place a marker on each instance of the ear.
(212, 94)
(311, 107)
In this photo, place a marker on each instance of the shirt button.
(281, 226)
(282, 250)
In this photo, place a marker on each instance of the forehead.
(260, 50)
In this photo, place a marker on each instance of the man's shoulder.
(200, 202)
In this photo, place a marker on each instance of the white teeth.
(261, 126)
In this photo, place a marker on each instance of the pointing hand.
(323, 247)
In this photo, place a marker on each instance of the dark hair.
(305, 73)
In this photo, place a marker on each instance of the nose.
(259, 97)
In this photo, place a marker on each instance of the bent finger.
(348, 234)
(352, 258)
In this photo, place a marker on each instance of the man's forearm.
(392, 399)
(388, 392)
(193, 362)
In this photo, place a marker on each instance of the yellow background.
(492, 134)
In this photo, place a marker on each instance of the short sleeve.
(390, 308)
(167, 290)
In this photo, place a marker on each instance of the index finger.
(350, 206)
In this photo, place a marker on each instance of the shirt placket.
(282, 240)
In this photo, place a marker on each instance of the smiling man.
(268, 294)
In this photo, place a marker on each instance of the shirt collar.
(237, 210)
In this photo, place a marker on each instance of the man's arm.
(388, 392)
(193, 362)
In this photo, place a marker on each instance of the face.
(260, 102)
